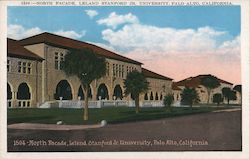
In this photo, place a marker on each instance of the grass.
(110, 114)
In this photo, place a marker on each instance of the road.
(200, 132)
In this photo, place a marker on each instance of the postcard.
(125, 79)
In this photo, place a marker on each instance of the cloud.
(70, 34)
(114, 20)
(179, 53)
(19, 32)
(145, 38)
(91, 13)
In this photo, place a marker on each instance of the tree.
(228, 94)
(210, 82)
(189, 96)
(217, 98)
(168, 100)
(238, 88)
(136, 83)
(87, 66)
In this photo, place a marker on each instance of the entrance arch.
(80, 93)
(9, 95)
(102, 92)
(118, 92)
(156, 96)
(23, 92)
(9, 92)
(151, 96)
(63, 90)
(23, 95)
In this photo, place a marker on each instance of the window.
(19, 66)
(59, 58)
(122, 71)
(114, 70)
(127, 70)
(24, 67)
(107, 69)
(8, 65)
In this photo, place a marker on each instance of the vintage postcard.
(124, 79)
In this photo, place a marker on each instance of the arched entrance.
(156, 96)
(118, 92)
(63, 90)
(80, 93)
(102, 92)
(151, 96)
(23, 95)
(9, 95)
(161, 97)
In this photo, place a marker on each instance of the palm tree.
(87, 66)
(217, 98)
(189, 96)
(136, 83)
(228, 94)
(210, 82)
(238, 88)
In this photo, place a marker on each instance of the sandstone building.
(34, 73)
(195, 82)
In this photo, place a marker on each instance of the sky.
(177, 42)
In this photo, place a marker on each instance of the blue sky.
(162, 35)
(74, 18)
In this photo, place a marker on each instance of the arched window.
(118, 92)
(63, 90)
(102, 92)
(146, 96)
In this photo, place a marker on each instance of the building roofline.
(152, 74)
(44, 38)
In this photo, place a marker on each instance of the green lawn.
(111, 114)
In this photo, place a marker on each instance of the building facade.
(35, 75)
(195, 82)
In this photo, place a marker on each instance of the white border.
(245, 58)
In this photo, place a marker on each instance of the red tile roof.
(175, 87)
(64, 42)
(196, 81)
(151, 74)
(16, 50)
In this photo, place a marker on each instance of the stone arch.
(90, 92)
(161, 97)
(118, 92)
(64, 90)
(132, 96)
(151, 96)
(146, 96)
(24, 92)
(24, 95)
(9, 91)
(9, 94)
(80, 93)
(102, 92)
(156, 96)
